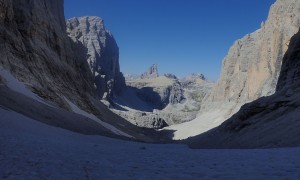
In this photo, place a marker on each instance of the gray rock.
(153, 120)
(171, 76)
(290, 71)
(152, 72)
(36, 50)
(268, 122)
(176, 93)
(194, 80)
(164, 98)
(252, 66)
(154, 98)
(102, 53)
(160, 96)
(156, 121)
(249, 71)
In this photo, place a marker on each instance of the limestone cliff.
(267, 122)
(252, 66)
(290, 70)
(102, 53)
(36, 50)
(249, 71)
(44, 74)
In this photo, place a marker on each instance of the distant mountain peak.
(102, 53)
(152, 72)
(198, 76)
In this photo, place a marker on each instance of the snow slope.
(12, 83)
(32, 150)
(202, 123)
(77, 110)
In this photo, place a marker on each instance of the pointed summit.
(151, 73)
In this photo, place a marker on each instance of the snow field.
(33, 150)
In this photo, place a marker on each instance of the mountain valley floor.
(32, 150)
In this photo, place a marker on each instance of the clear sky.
(181, 36)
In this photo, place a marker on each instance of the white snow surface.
(113, 129)
(202, 123)
(12, 83)
(32, 150)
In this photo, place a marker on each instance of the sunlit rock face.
(268, 121)
(102, 53)
(252, 66)
(249, 71)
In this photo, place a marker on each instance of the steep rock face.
(176, 93)
(290, 71)
(158, 90)
(36, 50)
(171, 76)
(252, 66)
(152, 72)
(250, 70)
(102, 53)
(38, 56)
(267, 122)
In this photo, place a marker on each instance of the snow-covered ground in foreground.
(32, 150)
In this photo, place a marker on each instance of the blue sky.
(181, 36)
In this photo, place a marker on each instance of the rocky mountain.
(252, 66)
(250, 70)
(36, 50)
(267, 122)
(130, 77)
(102, 53)
(175, 93)
(158, 90)
(152, 72)
(195, 76)
(44, 75)
(171, 76)
(48, 71)
(158, 101)
(193, 80)
(290, 71)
